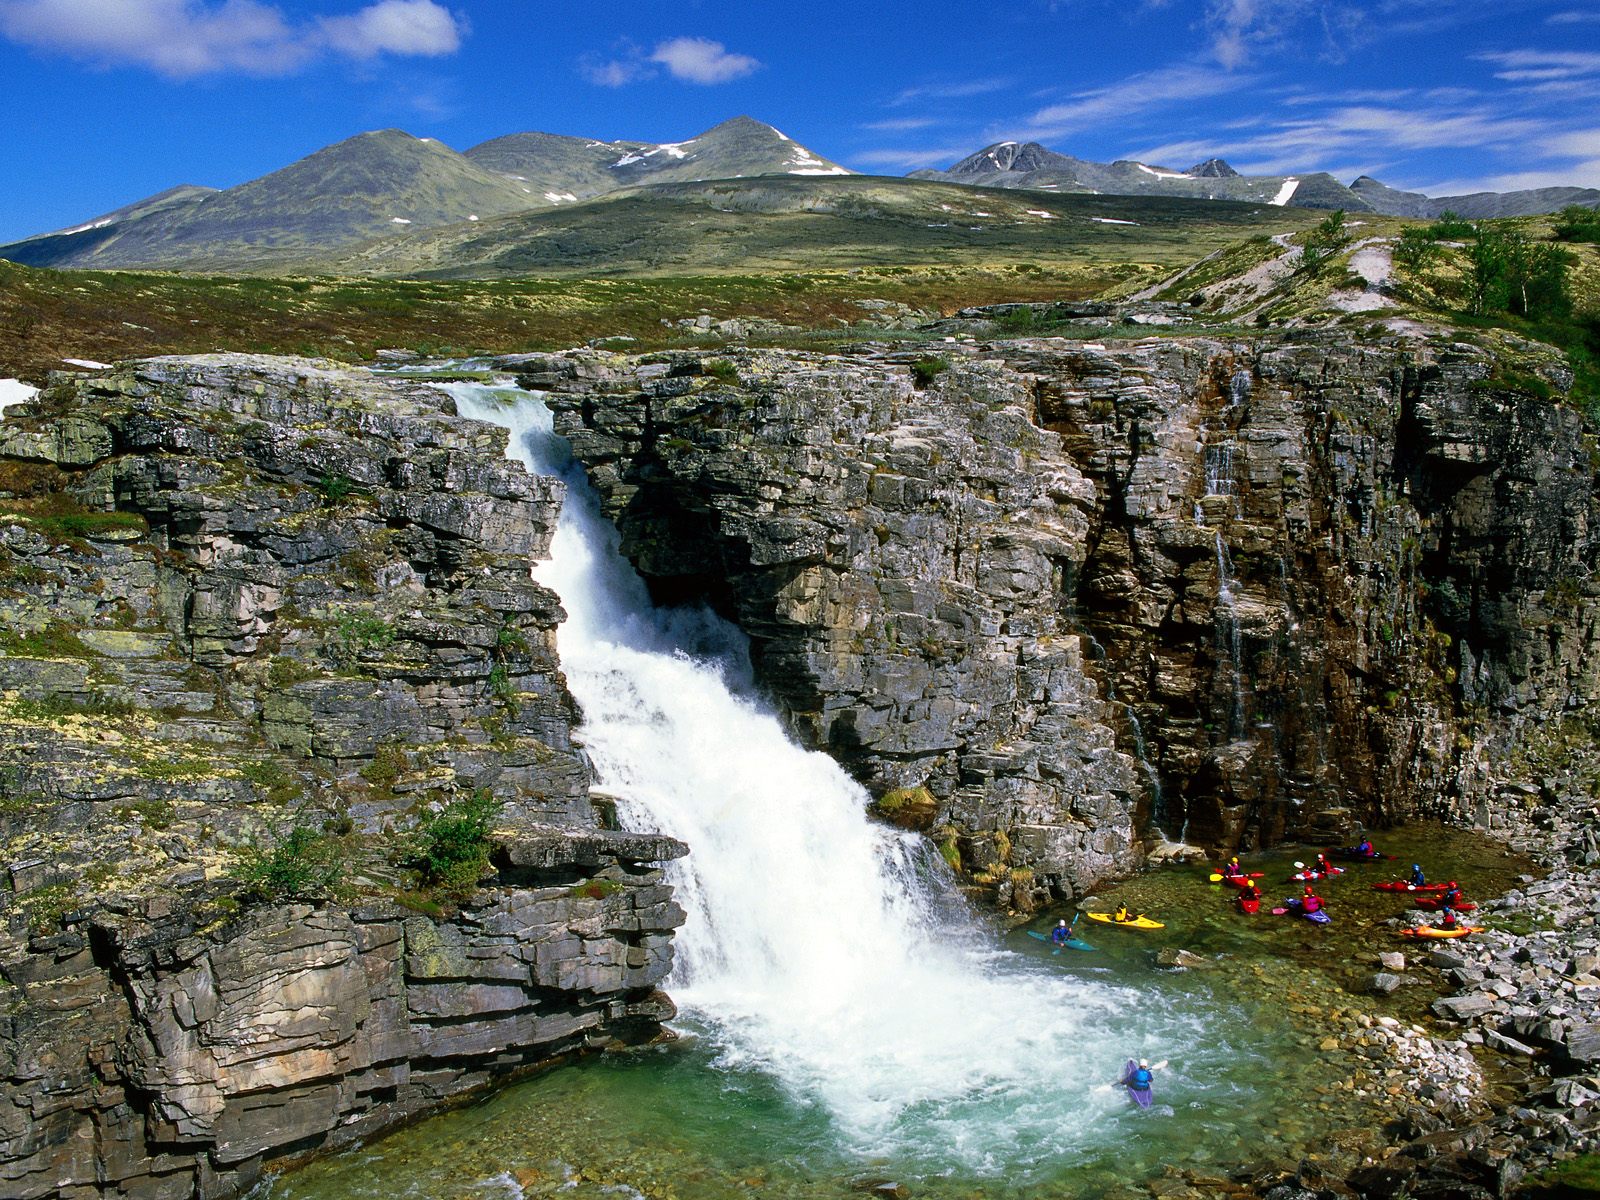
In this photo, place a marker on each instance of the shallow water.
(1245, 1082)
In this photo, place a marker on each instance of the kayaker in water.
(1062, 933)
(1418, 879)
(1451, 897)
(1122, 913)
(1231, 869)
(1365, 850)
(1310, 902)
(1250, 891)
(1447, 918)
(1141, 1077)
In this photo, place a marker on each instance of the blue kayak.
(1072, 943)
(1140, 1096)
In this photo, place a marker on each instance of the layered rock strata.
(1047, 595)
(254, 604)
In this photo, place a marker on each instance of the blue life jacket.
(1140, 1079)
(1060, 934)
(1418, 878)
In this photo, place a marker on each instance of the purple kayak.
(1140, 1096)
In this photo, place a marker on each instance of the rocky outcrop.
(260, 619)
(1237, 592)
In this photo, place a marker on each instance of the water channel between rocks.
(845, 1020)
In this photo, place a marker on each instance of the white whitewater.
(821, 948)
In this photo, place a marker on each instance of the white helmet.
(1061, 924)
(1144, 1062)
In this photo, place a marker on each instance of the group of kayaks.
(1426, 896)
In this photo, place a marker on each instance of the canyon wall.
(1046, 597)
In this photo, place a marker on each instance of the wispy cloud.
(948, 91)
(690, 59)
(901, 126)
(910, 159)
(1119, 101)
(1535, 66)
(1573, 18)
(186, 38)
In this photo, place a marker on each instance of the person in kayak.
(1447, 918)
(1418, 879)
(1062, 933)
(1451, 897)
(1141, 1077)
(1231, 869)
(1310, 902)
(1122, 913)
(1250, 891)
(1364, 848)
(1322, 866)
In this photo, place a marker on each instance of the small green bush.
(452, 845)
(300, 865)
(334, 488)
(1578, 224)
(925, 370)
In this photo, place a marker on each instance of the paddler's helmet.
(1416, 866)
(1062, 924)
(1144, 1062)
(1309, 892)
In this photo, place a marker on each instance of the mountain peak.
(1009, 156)
(1213, 168)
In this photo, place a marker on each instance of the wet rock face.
(240, 595)
(1237, 592)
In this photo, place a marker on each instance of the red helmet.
(1309, 892)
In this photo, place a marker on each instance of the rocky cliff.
(1047, 598)
(261, 619)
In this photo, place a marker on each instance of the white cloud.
(901, 126)
(1573, 18)
(948, 91)
(700, 60)
(413, 27)
(691, 59)
(186, 38)
(1583, 174)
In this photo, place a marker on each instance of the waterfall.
(1229, 646)
(822, 949)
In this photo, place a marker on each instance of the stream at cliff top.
(843, 1017)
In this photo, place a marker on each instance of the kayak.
(1433, 931)
(1071, 943)
(1139, 922)
(1302, 876)
(1140, 1096)
(1247, 905)
(1352, 854)
(1400, 885)
(1294, 906)
(1435, 903)
(1240, 880)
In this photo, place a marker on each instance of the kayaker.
(1418, 879)
(1122, 912)
(1250, 891)
(1141, 1077)
(1451, 897)
(1365, 850)
(1062, 933)
(1447, 918)
(1310, 902)
(1231, 869)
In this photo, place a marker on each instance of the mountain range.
(1032, 167)
(389, 202)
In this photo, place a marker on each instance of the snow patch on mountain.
(1162, 174)
(1285, 193)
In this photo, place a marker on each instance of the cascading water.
(1229, 639)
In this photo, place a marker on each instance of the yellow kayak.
(1131, 922)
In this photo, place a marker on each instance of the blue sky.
(112, 100)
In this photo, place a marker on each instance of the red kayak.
(1248, 905)
(1400, 885)
(1240, 880)
(1434, 903)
